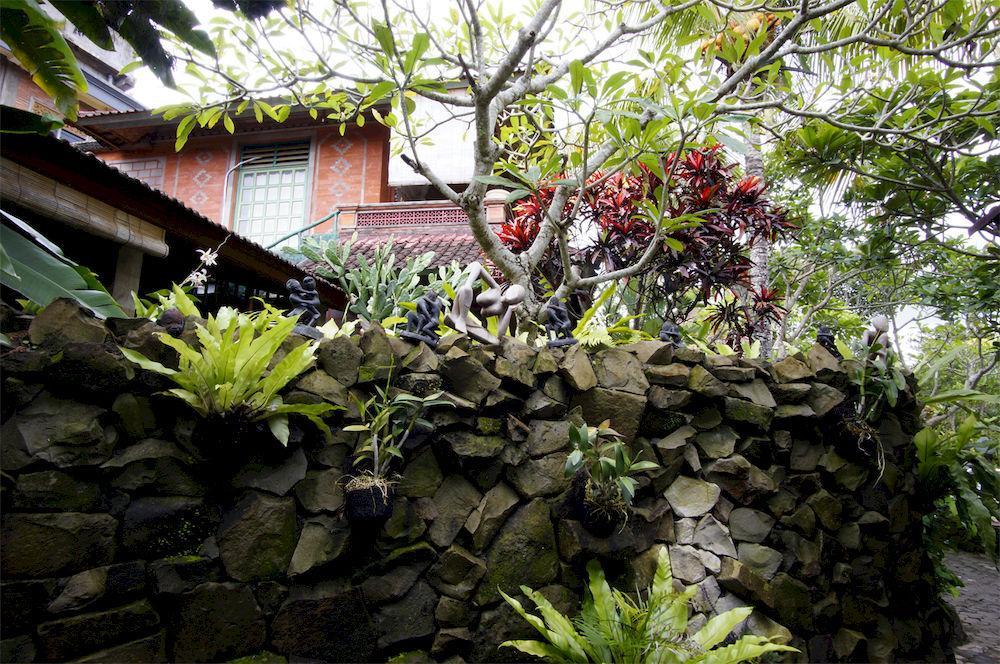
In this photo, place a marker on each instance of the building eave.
(86, 173)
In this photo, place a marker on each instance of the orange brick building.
(268, 181)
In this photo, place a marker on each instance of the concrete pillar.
(127, 271)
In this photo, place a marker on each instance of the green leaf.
(576, 75)
(35, 41)
(498, 180)
(178, 19)
(38, 270)
(145, 363)
(87, 19)
(719, 627)
(144, 38)
(268, 110)
(378, 92)
(384, 37)
(278, 424)
(960, 394)
(184, 130)
(844, 349)
(420, 43)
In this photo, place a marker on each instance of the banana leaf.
(38, 270)
(35, 41)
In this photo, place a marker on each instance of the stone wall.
(125, 541)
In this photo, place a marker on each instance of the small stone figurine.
(422, 324)
(494, 301)
(558, 324)
(825, 338)
(877, 335)
(671, 333)
(173, 321)
(305, 303)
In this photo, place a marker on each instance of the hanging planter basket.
(601, 514)
(369, 502)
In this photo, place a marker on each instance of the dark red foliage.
(734, 214)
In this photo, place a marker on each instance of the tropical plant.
(36, 40)
(227, 376)
(652, 628)
(154, 304)
(603, 455)
(957, 472)
(36, 268)
(386, 421)
(594, 330)
(713, 219)
(958, 451)
(376, 288)
(879, 380)
(331, 329)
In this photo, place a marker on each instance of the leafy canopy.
(552, 94)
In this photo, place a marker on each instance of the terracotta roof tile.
(461, 247)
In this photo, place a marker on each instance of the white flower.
(208, 256)
(197, 278)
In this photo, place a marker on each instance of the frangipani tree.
(555, 92)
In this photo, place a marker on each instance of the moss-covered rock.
(257, 537)
(523, 553)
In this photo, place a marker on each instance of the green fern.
(228, 373)
(652, 629)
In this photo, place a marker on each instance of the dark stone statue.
(305, 304)
(422, 324)
(558, 324)
(173, 321)
(671, 333)
(304, 300)
(825, 338)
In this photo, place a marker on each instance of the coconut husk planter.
(602, 513)
(369, 499)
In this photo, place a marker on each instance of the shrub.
(227, 375)
(651, 629)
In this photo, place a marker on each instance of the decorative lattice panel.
(407, 217)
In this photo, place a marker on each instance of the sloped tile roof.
(461, 247)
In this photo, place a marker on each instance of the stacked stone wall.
(125, 539)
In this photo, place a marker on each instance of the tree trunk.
(760, 254)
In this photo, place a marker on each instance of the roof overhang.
(85, 173)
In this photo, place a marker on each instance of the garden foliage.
(652, 628)
(714, 217)
(227, 374)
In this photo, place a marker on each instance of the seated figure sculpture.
(422, 324)
(494, 301)
(306, 305)
(671, 333)
(826, 339)
(558, 324)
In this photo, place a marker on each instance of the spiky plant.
(650, 629)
